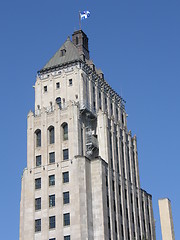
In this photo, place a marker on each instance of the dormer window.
(63, 52)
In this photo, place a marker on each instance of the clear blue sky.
(137, 45)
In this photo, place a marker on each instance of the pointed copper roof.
(67, 53)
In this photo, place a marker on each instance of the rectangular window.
(45, 88)
(37, 225)
(52, 222)
(65, 197)
(38, 138)
(38, 204)
(57, 85)
(67, 237)
(66, 219)
(51, 135)
(65, 154)
(65, 177)
(99, 100)
(52, 200)
(38, 161)
(70, 82)
(52, 157)
(52, 239)
(51, 180)
(38, 183)
(105, 104)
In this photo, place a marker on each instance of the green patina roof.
(71, 54)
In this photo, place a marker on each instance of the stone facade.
(167, 227)
(79, 129)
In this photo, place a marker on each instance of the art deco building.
(82, 175)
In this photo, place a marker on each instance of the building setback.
(82, 176)
(167, 227)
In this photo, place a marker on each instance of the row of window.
(58, 85)
(51, 134)
(52, 222)
(65, 179)
(66, 200)
(52, 157)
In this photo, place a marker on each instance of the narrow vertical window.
(94, 99)
(51, 180)
(38, 204)
(57, 85)
(65, 177)
(105, 103)
(51, 134)
(38, 161)
(38, 183)
(52, 222)
(65, 197)
(37, 225)
(65, 154)
(77, 40)
(52, 157)
(99, 100)
(45, 88)
(65, 131)
(38, 138)
(111, 109)
(70, 82)
(66, 217)
(52, 200)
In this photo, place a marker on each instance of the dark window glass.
(99, 100)
(66, 219)
(65, 177)
(45, 88)
(37, 204)
(52, 222)
(38, 161)
(52, 157)
(38, 138)
(51, 180)
(111, 109)
(105, 104)
(66, 197)
(52, 200)
(51, 135)
(63, 52)
(70, 82)
(37, 225)
(57, 85)
(67, 237)
(65, 154)
(117, 114)
(122, 118)
(52, 239)
(38, 183)
(65, 131)
(77, 41)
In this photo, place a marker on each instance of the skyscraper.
(82, 176)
